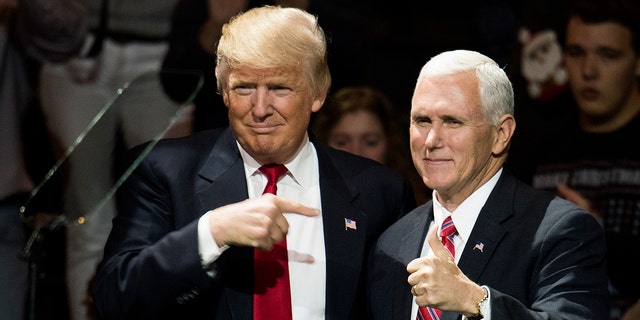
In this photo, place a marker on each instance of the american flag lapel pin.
(480, 246)
(349, 224)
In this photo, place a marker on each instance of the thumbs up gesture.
(436, 281)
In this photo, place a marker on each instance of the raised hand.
(437, 281)
(576, 197)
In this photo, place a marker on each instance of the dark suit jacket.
(542, 257)
(152, 270)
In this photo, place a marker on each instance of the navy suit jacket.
(541, 256)
(151, 267)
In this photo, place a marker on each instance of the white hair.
(496, 90)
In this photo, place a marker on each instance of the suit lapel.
(415, 237)
(222, 179)
(344, 246)
(411, 249)
(221, 182)
(488, 232)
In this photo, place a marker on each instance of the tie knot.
(273, 171)
(448, 229)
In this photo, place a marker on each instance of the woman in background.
(363, 121)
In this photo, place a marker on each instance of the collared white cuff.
(207, 247)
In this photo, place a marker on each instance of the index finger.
(289, 206)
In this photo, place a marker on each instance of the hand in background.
(633, 313)
(574, 196)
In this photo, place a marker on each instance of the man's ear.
(505, 129)
(317, 104)
(225, 98)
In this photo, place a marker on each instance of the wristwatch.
(483, 306)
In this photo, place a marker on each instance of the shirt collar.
(465, 216)
(299, 167)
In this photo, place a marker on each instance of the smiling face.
(269, 110)
(603, 73)
(453, 147)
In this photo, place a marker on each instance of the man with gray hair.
(487, 246)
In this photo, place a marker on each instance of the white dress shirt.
(464, 218)
(305, 240)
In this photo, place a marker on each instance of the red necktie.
(447, 232)
(272, 290)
